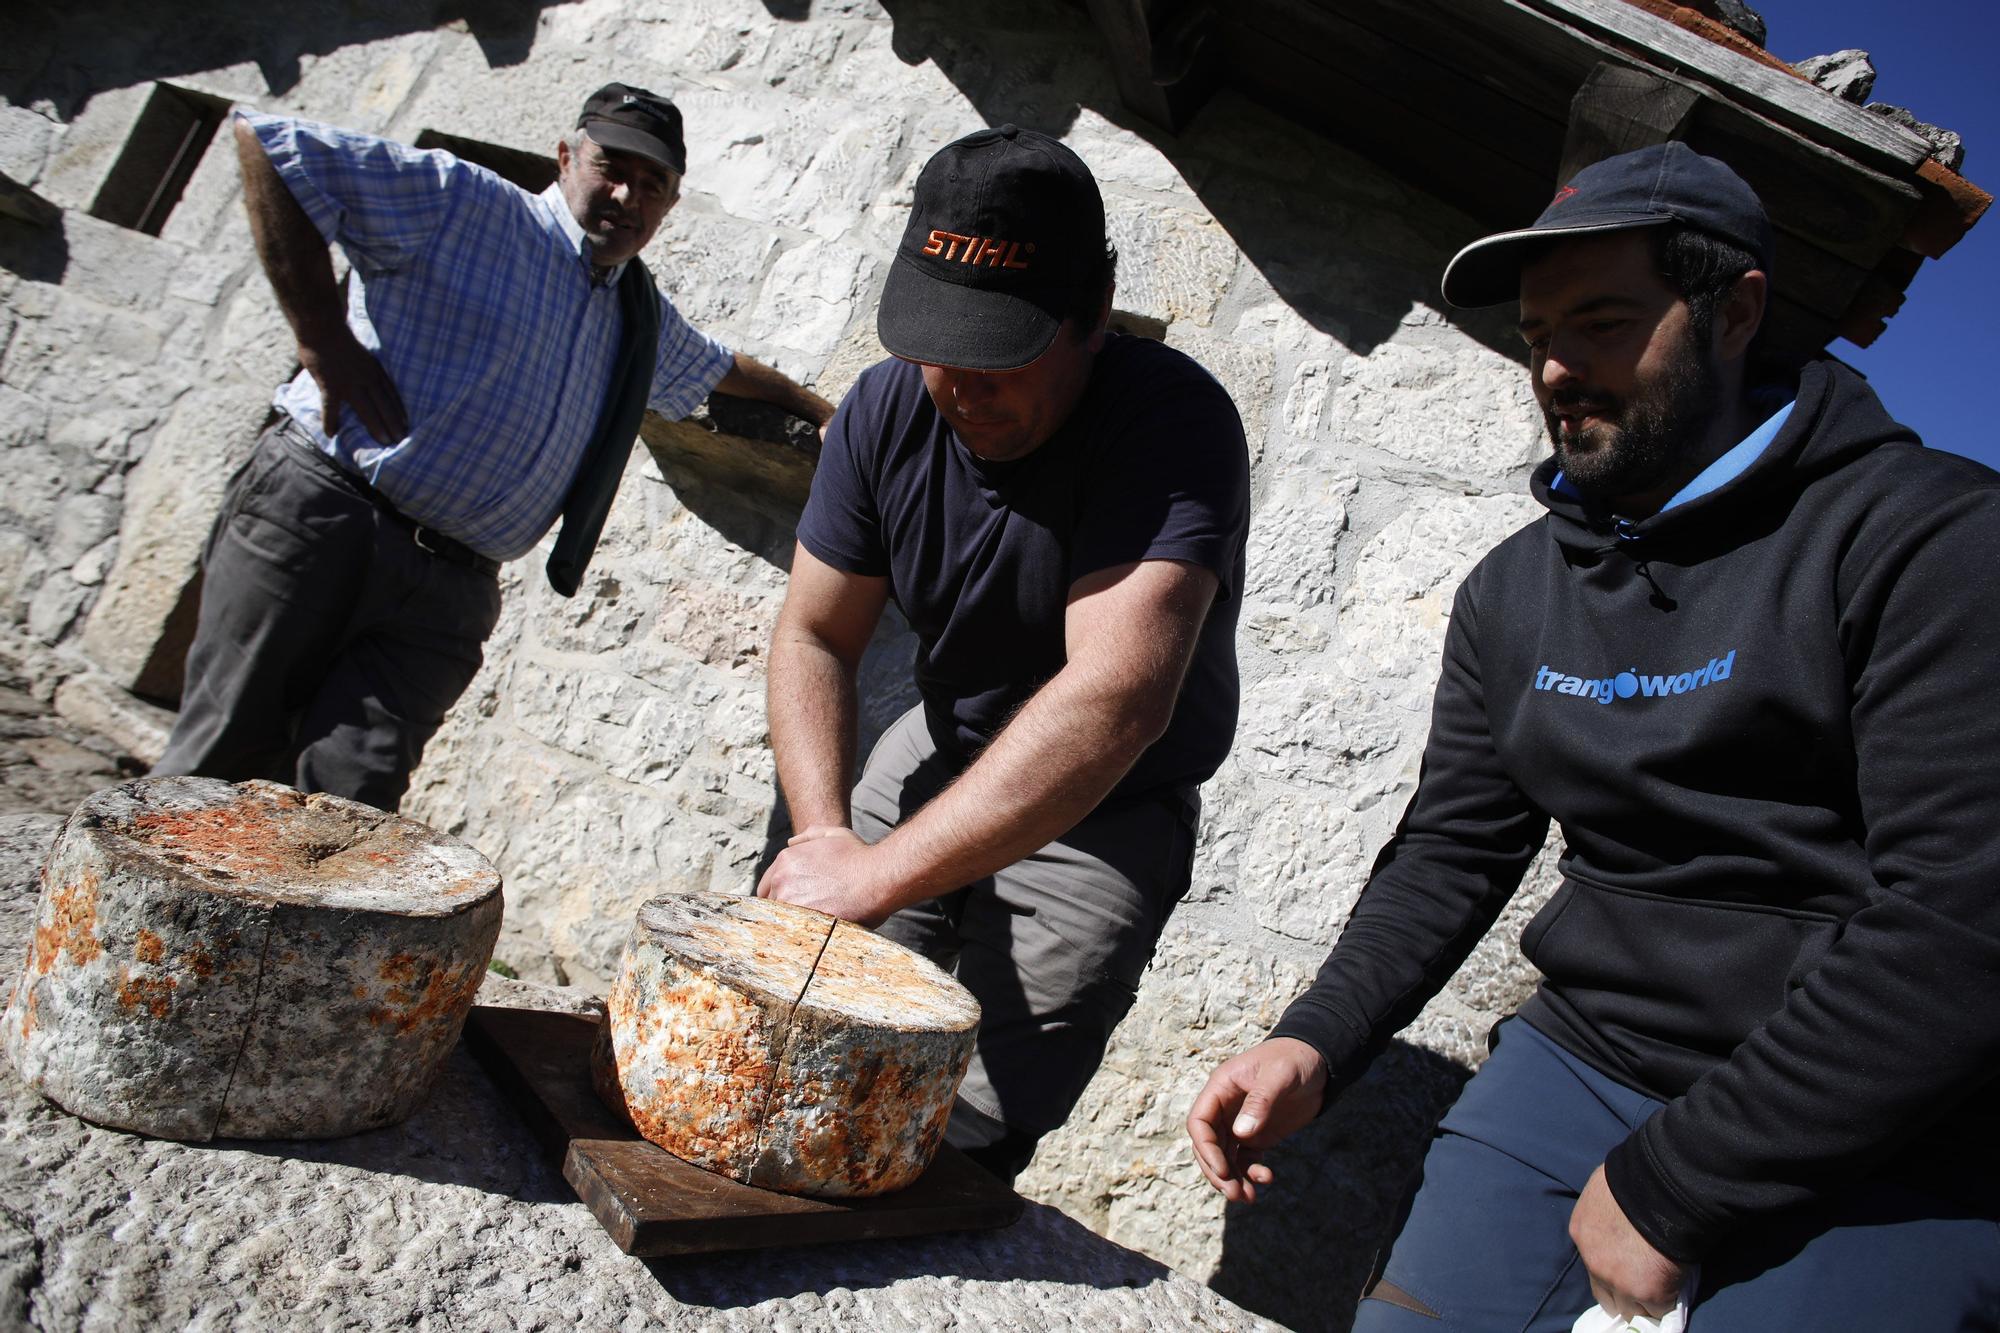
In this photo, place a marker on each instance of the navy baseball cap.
(631, 120)
(1006, 226)
(1648, 187)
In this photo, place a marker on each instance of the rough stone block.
(1117, 157)
(170, 504)
(54, 607)
(1296, 529)
(1442, 405)
(80, 522)
(710, 265)
(814, 292)
(1848, 75)
(91, 567)
(1245, 371)
(90, 144)
(25, 139)
(1173, 263)
(790, 162)
(99, 707)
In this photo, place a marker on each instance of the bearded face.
(1629, 380)
(1610, 444)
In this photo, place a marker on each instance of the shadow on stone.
(37, 252)
(789, 11)
(1293, 236)
(68, 53)
(1339, 1184)
(431, 1145)
(1044, 1247)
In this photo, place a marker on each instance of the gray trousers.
(328, 645)
(1052, 947)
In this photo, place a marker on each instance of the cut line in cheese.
(241, 960)
(782, 1047)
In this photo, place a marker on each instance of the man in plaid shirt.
(436, 428)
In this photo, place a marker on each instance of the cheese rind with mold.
(782, 1048)
(240, 960)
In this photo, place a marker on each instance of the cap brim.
(1488, 272)
(925, 318)
(624, 139)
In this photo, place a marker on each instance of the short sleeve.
(1169, 479)
(690, 365)
(842, 523)
(381, 202)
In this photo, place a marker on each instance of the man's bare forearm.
(812, 708)
(751, 378)
(294, 255)
(1048, 768)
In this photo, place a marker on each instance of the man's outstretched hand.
(1250, 1103)
(349, 375)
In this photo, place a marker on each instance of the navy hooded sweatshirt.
(1767, 724)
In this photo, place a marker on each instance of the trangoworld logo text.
(1630, 682)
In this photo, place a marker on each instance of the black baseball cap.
(631, 120)
(1647, 187)
(1007, 225)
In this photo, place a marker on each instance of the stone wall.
(615, 744)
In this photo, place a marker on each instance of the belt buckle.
(420, 535)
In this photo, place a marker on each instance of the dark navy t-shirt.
(980, 556)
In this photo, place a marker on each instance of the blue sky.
(1937, 366)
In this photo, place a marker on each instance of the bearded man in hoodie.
(1747, 664)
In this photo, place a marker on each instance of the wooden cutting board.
(653, 1203)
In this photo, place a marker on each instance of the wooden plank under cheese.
(783, 1049)
(221, 960)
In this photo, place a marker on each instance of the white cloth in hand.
(1597, 1319)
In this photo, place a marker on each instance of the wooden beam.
(1161, 55)
(1620, 109)
(1807, 110)
(1836, 204)
(1467, 39)
(1365, 72)
(1420, 146)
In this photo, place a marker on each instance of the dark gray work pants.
(329, 644)
(1052, 947)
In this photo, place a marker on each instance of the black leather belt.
(428, 540)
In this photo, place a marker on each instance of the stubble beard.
(1648, 434)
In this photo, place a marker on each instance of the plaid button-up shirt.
(479, 300)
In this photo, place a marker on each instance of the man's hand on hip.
(348, 374)
(833, 870)
(1250, 1103)
(1627, 1275)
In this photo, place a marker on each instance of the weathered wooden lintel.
(1792, 102)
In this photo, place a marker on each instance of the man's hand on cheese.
(831, 869)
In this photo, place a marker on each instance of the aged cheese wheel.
(243, 961)
(782, 1048)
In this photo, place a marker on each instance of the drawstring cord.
(1627, 532)
(1659, 598)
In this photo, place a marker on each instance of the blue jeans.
(1485, 1247)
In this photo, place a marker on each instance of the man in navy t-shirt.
(1060, 513)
